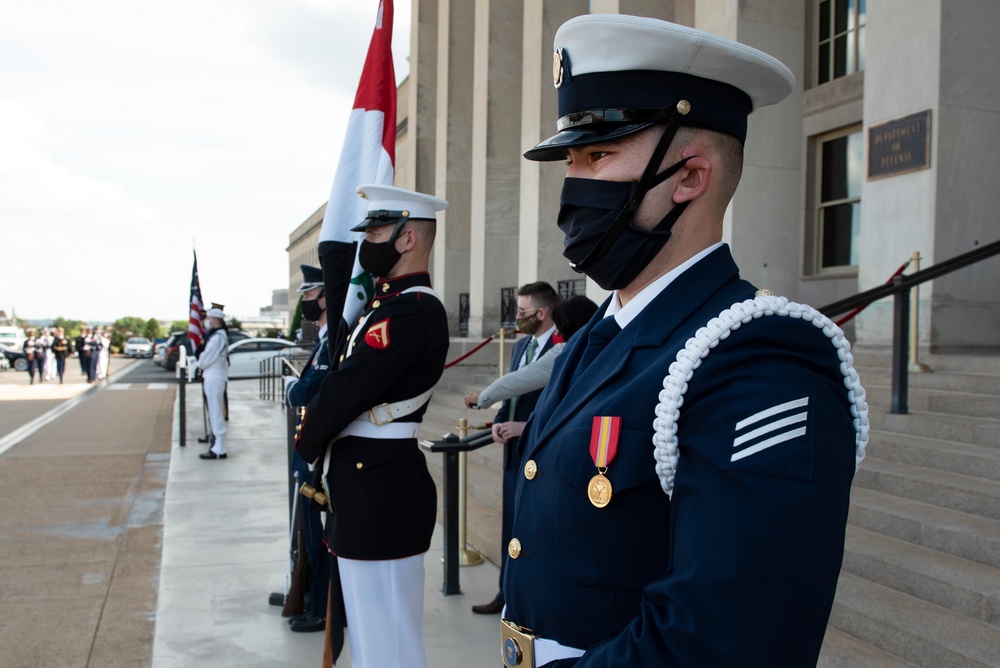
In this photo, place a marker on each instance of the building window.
(838, 216)
(840, 39)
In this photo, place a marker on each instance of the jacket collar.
(390, 287)
(649, 329)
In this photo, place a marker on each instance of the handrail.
(855, 311)
(907, 282)
(899, 289)
(454, 450)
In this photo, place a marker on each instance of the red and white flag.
(196, 328)
(368, 156)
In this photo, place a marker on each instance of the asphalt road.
(81, 525)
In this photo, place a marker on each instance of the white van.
(12, 338)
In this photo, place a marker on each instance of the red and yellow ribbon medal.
(603, 448)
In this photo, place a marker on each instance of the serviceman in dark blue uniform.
(361, 432)
(686, 473)
(299, 392)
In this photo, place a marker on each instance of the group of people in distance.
(46, 354)
(677, 494)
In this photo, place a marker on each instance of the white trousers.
(215, 388)
(384, 601)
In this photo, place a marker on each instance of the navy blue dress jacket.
(740, 567)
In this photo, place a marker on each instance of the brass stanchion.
(503, 334)
(915, 366)
(466, 557)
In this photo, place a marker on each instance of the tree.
(72, 328)
(296, 321)
(153, 330)
(234, 323)
(179, 326)
(125, 327)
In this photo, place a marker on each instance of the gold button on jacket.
(514, 548)
(530, 469)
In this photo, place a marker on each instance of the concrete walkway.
(121, 549)
(225, 548)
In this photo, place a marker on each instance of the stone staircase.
(920, 585)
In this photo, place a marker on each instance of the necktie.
(530, 355)
(599, 337)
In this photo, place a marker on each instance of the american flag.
(196, 328)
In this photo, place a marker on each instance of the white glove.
(289, 381)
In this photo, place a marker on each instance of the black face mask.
(311, 310)
(589, 208)
(379, 259)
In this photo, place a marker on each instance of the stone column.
(496, 115)
(453, 155)
(421, 103)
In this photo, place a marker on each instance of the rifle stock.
(295, 598)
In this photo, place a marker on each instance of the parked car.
(246, 355)
(159, 353)
(16, 358)
(173, 349)
(138, 346)
(11, 338)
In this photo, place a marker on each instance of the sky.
(132, 131)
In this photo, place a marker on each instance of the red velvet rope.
(859, 309)
(476, 349)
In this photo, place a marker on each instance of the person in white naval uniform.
(214, 365)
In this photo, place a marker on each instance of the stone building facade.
(884, 149)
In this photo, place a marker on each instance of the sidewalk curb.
(26, 430)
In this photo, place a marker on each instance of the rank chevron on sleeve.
(773, 421)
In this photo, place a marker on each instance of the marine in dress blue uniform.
(687, 470)
(361, 432)
(299, 391)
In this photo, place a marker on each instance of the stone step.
(841, 650)
(962, 429)
(916, 631)
(974, 460)
(938, 401)
(979, 360)
(968, 494)
(963, 586)
(957, 381)
(950, 531)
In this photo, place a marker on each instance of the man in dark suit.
(299, 391)
(535, 302)
(686, 472)
(360, 432)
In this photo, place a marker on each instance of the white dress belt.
(364, 428)
(547, 651)
(379, 421)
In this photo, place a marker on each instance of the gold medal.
(603, 448)
(599, 491)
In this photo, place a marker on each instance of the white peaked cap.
(387, 204)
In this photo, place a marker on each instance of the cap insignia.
(557, 67)
(683, 107)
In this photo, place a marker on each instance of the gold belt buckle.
(380, 415)
(517, 645)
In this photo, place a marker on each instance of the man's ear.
(409, 237)
(693, 179)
